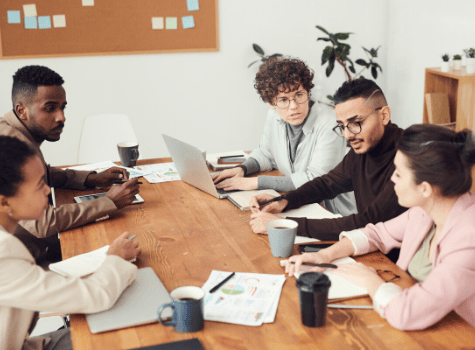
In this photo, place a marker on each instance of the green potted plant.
(457, 61)
(262, 55)
(339, 52)
(470, 57)
(445, 66)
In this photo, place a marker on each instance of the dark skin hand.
(124, 194)
(106, 177)
(125, 248)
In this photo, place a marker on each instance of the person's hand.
(124, 194)
(272, 207)
(238, 183)
(360, 275)
(233, 172)
(259, 221)
(106, 177)
(125, 248)
(318, 258)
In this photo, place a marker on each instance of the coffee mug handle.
(135, 155)
(160, 310)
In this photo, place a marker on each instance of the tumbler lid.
(313, 282)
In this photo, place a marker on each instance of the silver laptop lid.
(191, 165)
(137, 305)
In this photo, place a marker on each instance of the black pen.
(330, 266)
(275, 199)
(236, 156)
(216, 287)
(118, 182)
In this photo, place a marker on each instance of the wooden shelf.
(460, 87)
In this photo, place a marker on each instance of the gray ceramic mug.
(128, 153)
(187, 305)
(282, 234)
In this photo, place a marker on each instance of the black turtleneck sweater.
(368, 175)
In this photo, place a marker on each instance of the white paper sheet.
(162, 172)
(99, 167)
(310, 211)
(340, 287)
(248, 298)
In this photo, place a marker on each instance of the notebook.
(241, 199)
(191, 166)
(137, 305)
(213, 159)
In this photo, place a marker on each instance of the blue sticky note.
(30, 23)
(193, 5)
(14, 16)
(44, 22)
(188, 22)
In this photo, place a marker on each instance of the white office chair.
(100, 135)
(49, 322)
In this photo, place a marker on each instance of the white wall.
(207, 99)
(420, 32)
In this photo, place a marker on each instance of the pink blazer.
(450, 285)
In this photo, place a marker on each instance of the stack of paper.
(340, 287)
(249, 299)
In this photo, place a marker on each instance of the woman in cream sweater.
(26, 288)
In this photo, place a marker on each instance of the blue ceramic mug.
(187, 305)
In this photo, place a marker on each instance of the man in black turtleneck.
(364, 119)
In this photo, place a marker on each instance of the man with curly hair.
(39, 100)
(298, 139)
(363, 118)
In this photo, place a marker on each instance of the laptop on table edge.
(191, 167)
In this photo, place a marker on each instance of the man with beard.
(39, 100)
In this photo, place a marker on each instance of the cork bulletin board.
(61, 28)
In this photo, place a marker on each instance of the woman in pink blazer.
(436, 235)
(25, 287)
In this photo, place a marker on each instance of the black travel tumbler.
(313, 292)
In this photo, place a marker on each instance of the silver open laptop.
(191, 166)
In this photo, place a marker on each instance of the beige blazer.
(25, 288)
(66, 216)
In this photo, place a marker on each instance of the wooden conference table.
(185, 233)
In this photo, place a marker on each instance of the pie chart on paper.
(232, 289)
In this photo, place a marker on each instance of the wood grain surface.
(185, 233)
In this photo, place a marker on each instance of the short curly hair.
(277, 72)
(27, 79)
(13, 156)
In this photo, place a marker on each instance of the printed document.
(249, 299)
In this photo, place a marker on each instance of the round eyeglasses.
(284, 102)
(354, 127)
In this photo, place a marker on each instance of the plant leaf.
(330, 97)
(361, 62)
(342, 36)
(374, 72)
(327, 53)
(324, 39)
(276, 55)
(252, 63)
(323, 30)
(331, 65)
(258, 49)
